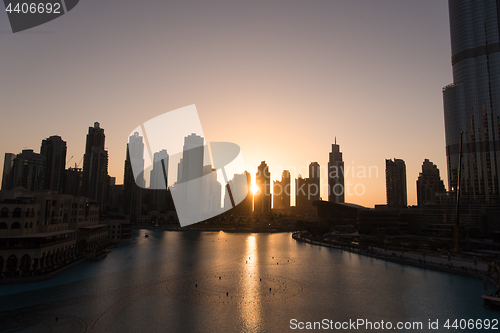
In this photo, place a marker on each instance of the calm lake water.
(236, 282)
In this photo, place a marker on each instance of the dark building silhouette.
(211, 190)
(281, 191)
(191, 165)
(307, 190)
(472, 102)
(313, 184)
(132, 195)
(240, 188)
(136, 150)
(95, 165)
(54, 151)
(301, 201)
(262, 199)
(27, 171)
(7, 166)
(73, 181)
(98, 180)
(395, 181)
(429, 184)
(158, 183)
(336, 191)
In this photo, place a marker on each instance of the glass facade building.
(472, 102)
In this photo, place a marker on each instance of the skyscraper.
(395, 181)
(95, 165)
(281, 191)
(301, 192)
(240, 188)
(472, 102)
(136, 150)
(313, 185)
(158, 181)
(54, 151)
(429, 184)
(159, 173)
(28, 171)
(98, 182)
(188, 192)
(262, 200)
(191, 165)
(336, 191)
(132, 195)
(7, 166)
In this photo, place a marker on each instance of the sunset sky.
(280, 78)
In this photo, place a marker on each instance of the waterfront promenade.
(448, 264)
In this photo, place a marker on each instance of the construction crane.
(68, 161)
(77, 165)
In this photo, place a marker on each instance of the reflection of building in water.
(262, 199)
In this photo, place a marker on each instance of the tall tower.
(132, 195)
(136, 150)
(313, 185)
(159, 173)
(472, 101)
(7, 167)
(54, 151)
(336, 191)
(191, 164)
(395, 182)
(94, 163)
(158, 183)
(281, 191)
(262, 201)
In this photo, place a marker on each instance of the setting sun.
(254, 188)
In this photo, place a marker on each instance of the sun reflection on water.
(250, 310)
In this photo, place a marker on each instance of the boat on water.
(493, 300)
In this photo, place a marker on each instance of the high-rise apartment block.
(262, 199)
(429, 185)
(395, 180)
(7, 167)
(281, 191)
(54, 151)
(27, 171)
(95, 166)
